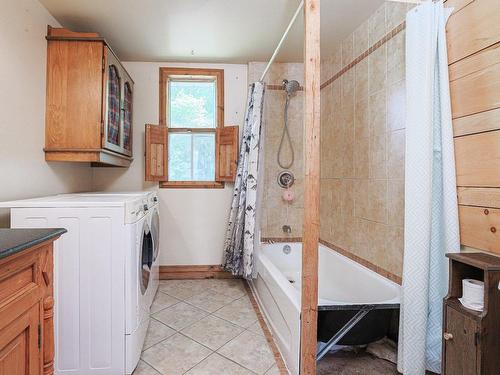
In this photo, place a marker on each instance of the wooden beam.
(309, 301)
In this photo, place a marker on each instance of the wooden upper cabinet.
(89, 101)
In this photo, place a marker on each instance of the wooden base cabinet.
(471, 339)
(26, 312)
(88, 116)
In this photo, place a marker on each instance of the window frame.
(218, 74)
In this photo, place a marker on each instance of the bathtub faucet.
(287, 229)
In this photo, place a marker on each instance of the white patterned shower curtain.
(240, 236)
(431, 213)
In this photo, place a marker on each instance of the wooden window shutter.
(156, 153)
(227, 153)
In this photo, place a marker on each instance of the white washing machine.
(103, 278)
(152, 212)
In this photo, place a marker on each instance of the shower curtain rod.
(282, 40)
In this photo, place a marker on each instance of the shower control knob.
(447, 336)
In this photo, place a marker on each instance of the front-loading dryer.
(139, 279)
(154, 217)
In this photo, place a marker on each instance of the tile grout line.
(245, 294)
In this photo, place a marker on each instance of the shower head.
(290, 86)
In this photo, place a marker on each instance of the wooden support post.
(309, 308)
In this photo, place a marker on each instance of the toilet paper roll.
(473, 292)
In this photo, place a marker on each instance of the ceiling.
(228, 31)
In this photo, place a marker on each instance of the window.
(191, 147)
(192, 108)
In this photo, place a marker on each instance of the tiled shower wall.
(277, 212)
(363, 144)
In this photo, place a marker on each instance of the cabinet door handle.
(447, 336)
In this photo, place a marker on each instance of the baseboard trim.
(183, 272)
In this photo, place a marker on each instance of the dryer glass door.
(146, 257)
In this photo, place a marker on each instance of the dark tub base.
(377, 324)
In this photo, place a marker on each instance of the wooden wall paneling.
(477, 159)
(309, 290)
(477, 84)
(474, 25)
(482, 197)
(480, 227)
(74, 94)
(477, 123)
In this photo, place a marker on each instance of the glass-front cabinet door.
(112, 114)
(127, 116)
(117, 132)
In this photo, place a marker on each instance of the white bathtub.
(341, 282)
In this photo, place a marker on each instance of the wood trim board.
(185, 272)
(309, 292)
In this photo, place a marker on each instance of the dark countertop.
(15, 240)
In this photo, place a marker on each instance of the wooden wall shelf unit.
(471, 339)
(89, 103)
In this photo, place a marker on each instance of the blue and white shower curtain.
(239, 246)
(431, 212)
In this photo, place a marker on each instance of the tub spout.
(287, 229)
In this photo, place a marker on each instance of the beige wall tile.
(396, 58)
(396, 202)
(337, 61)
(393, 259)
(363, 144)
(361, 119)
(347, 197)
(361, 39)
(396, 106)
(377, 25)
(396, 154)
(347, 150)
(361, 197)
(347, 50)
(378, 113)
(378, 156)
(396, 13)
(361, 79)
(377, 201)
(377, 69)
(361, 157)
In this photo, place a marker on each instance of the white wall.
(23, 170)
(193, 221)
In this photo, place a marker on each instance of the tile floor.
(205, 327)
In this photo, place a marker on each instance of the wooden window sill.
(191, 185)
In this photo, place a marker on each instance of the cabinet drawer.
(18, 277)
(461, 345)
(480, 227)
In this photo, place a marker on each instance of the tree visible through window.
(192, 122)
